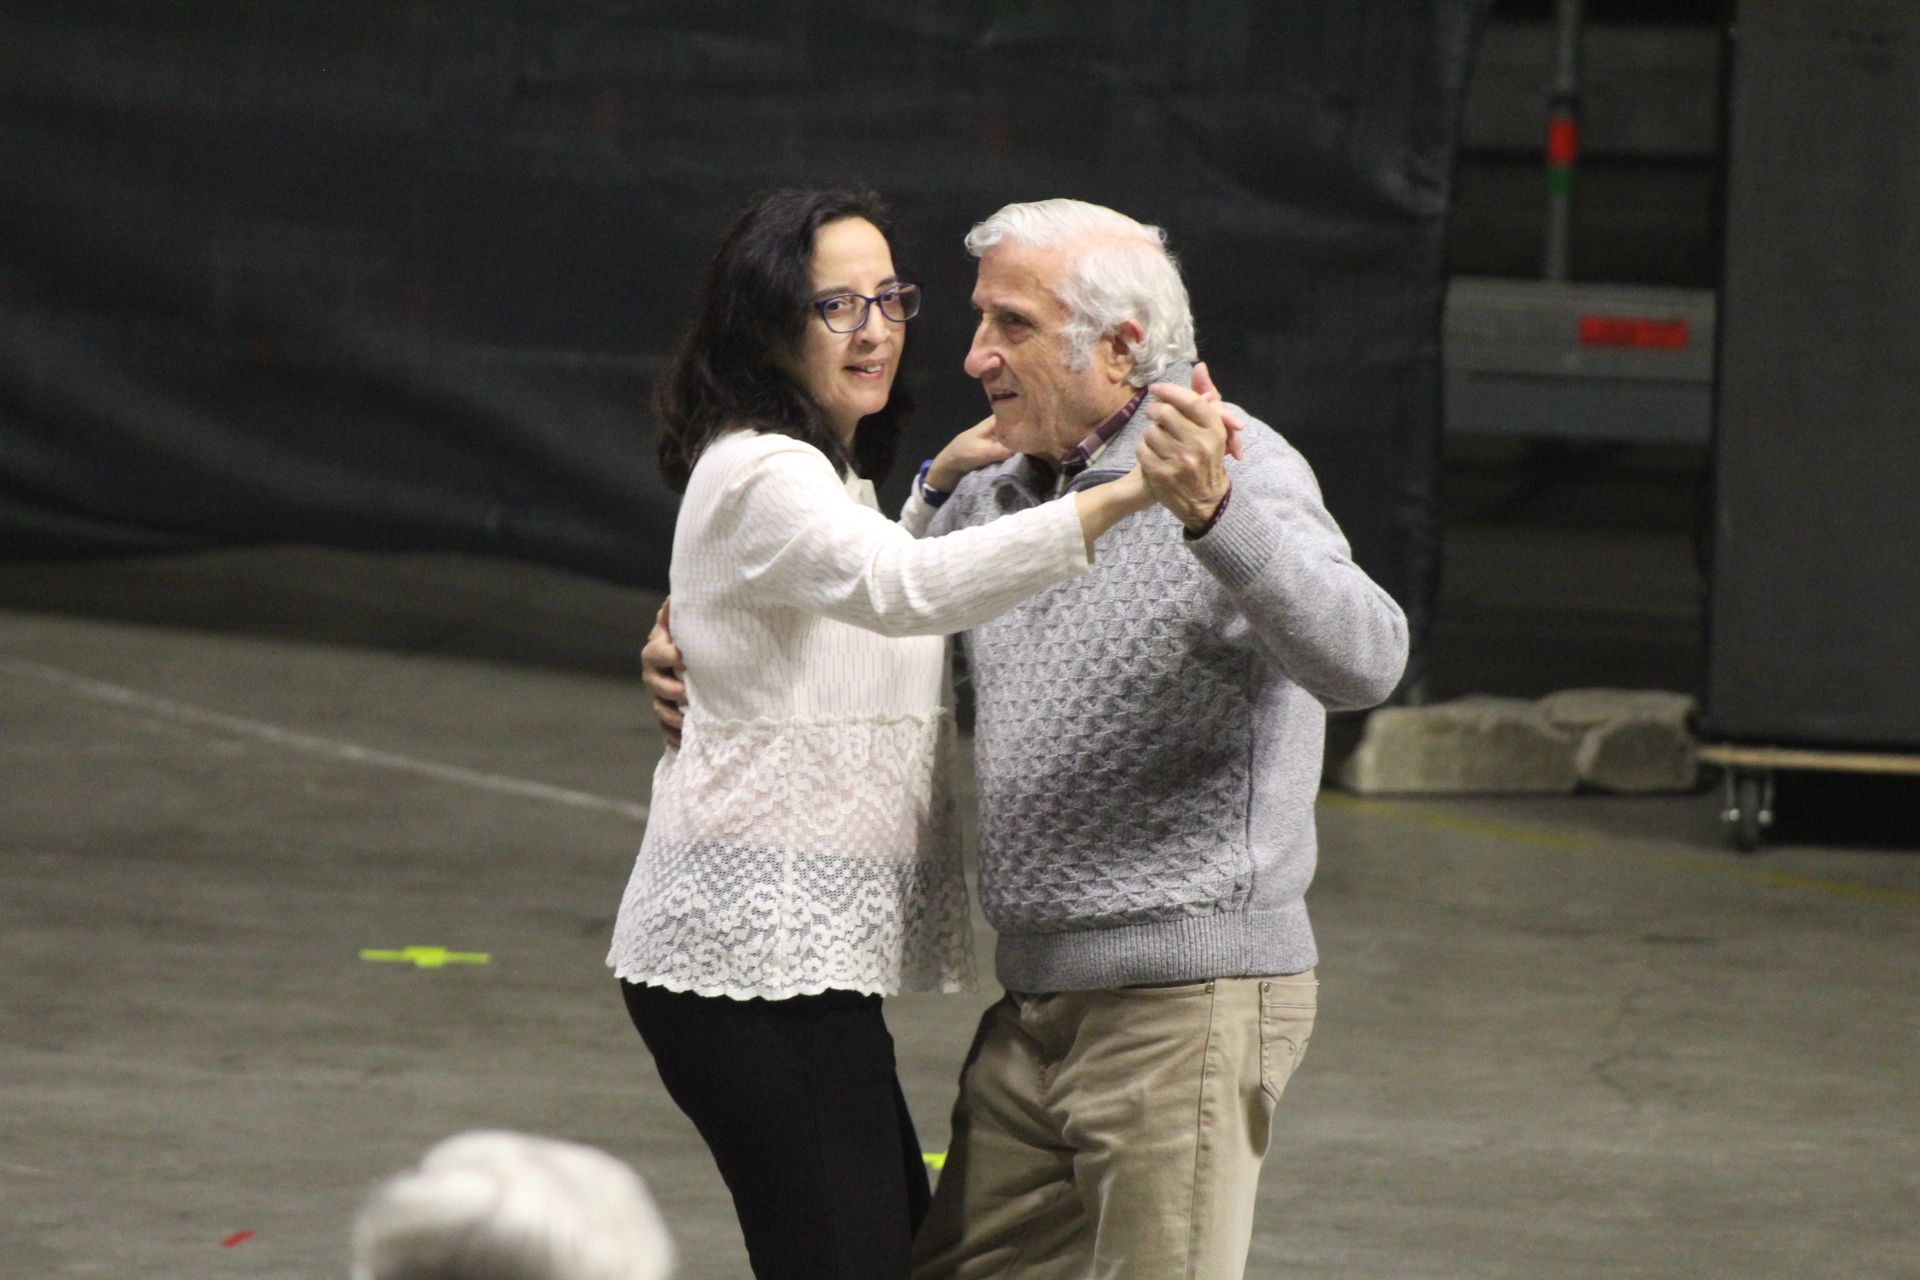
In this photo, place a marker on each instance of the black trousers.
(800, 1103)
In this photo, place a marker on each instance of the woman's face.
(850, 375)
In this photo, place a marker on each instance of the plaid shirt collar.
(1095, 444)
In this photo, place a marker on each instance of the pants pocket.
(1287, 1007)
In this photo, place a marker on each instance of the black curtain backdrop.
(398, 275)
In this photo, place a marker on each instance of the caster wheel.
(1752, 810)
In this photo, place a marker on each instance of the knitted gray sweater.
(1149, 735)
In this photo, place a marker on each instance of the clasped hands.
(1183, 456)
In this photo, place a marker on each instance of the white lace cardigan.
(802, 837)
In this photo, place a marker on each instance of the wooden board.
(1802, 758)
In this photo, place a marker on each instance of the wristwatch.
(928, 494)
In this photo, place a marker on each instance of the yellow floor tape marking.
(1601, 844)
(426, 957)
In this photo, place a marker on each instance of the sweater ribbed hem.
(1191, 949)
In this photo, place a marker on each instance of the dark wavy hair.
(727, 368)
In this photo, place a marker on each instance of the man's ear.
(1118, 348)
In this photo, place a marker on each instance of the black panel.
(397, 275)
(1815, 609)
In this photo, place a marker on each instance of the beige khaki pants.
(1107, 1134)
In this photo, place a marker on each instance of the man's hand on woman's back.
(660, 668)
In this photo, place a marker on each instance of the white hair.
(1117, 270)
(506, 1206)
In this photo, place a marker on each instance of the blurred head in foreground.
(506, 1206)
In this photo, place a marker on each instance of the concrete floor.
(1574, 1037)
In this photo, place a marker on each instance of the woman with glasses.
(801, 861)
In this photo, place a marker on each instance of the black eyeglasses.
(847, 312)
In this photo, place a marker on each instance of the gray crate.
(1578, 361)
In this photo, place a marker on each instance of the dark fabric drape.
(398, 275)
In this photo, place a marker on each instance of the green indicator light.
(1560, 181)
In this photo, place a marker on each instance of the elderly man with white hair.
(1148, 740)
(490, 1205)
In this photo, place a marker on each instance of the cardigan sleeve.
(799, 539)
(916, 513)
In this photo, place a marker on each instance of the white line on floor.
(120, 695)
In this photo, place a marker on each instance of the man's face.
(1042, 406)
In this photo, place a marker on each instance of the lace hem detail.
(791, 857)
(743, 922)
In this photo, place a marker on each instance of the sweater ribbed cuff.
(1238, 547)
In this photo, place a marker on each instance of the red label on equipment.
(1563, 142)
(1633, 331)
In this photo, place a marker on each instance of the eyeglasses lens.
(847, 312)
(900, 303)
